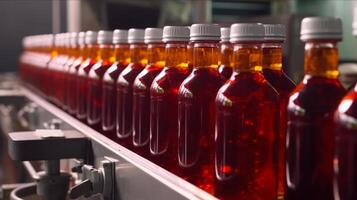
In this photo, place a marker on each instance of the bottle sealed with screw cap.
(244, 163)
(310, 114)
(138, 57)
(273, 72)
(95, 79)
(163, 92)
(83, 71)
(225, 69)
(345, 185)
(196, 96)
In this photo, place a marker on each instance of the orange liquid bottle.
(95, 79)
(141, 90)
(310, 132)
(61, 67)
(138, 57)
(163, 97)
(273, 73)
(82, 74)
(73, 54)
(247, 114)
(52, 67)
(196, 111)
(48, 56)
(345, 165)
(122, 59)
(225, 69)
(72, 74)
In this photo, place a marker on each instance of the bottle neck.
(105, 53)
(272, 56)
(177, 55)
(226, 54)
(247, 57)
(75, 51)
(156, 54)
(206, 54)
(122, 53)
(92, 51)
(321, 59)
(138, 53)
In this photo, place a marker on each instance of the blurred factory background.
(24, 17)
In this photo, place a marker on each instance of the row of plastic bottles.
(211, 105)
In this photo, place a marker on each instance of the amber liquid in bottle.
(247, 115)
(225, 68)
(82, 81)
(273, 73)
(60, 75)
(124, 100)
(72, 79)
(164, 106)
(141, 97)
(196, 115)
(122, 59)
(48, 74)
(52, 73)
(345, 163)
(67, 83)
(310, 132)
(95, 87)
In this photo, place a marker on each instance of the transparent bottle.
(196, 110)
(163, 98)
(225, 68)
(311, 131)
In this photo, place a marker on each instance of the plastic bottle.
(141, 90)
(163, 98)
(311, 131)
(225, 69)
(138, 57)
(122, 59)
(105, 57)
(196, 110)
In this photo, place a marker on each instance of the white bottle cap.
(74, 38)
(245, 32)
(81, 38)
(225, 32)
(105, 37)
(274, 32)
(176, 33)
(136, 35)
(57, 40)
(205, 32)
(321, 28)
(91, 37)
(120, 36)
(153, 35)
(354, 23)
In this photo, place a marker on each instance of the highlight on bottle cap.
(246, 32)
(176, 33)
(81, 38)
(153, 35)
(321, 28)
(225, 32)
(58, 38)
(105, 37)
(274, 32)
(120, 36)
(136, 35)
(91, 37)
(354, 23)
(73, 38)
(205, 32)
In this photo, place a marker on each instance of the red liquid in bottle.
(95, 87)
(82, 81)
(225, 69)
(122, 57)
(124, 98)
(247, 114)
(273, 73)
(196, 114)
(164, 106)
(310, 132)
(345, 163)
(141, 97)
